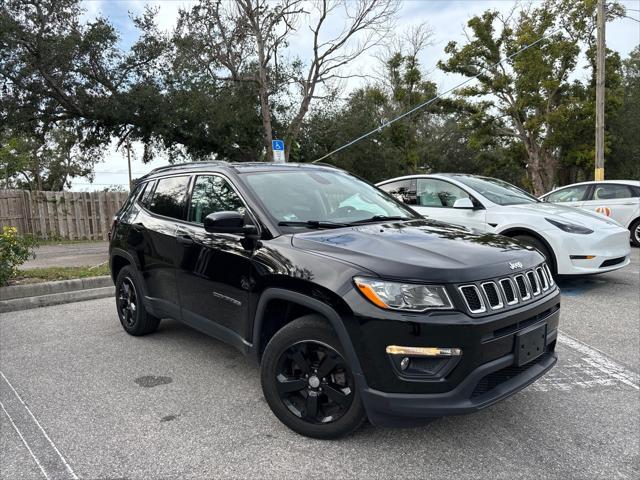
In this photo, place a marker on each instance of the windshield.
(497, 191)
(322, 197)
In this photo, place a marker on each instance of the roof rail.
(182, 166)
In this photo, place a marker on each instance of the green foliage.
(14, 251)
(623, 156)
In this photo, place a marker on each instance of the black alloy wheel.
(308, 382)
(131, 310)
(314, 382)
(127, 302)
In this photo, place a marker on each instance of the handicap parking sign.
(278, 150)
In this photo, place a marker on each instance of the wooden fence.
(65, 215)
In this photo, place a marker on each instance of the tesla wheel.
(635, 233)
(541, 247)
(133, 316)
(308, 383)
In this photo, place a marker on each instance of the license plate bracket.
(530, 344)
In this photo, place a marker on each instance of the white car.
(574, 241)
(617, 199)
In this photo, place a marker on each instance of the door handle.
(183, 238)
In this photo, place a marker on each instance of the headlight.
(570, 227)
(409, 297)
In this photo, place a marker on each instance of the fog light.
(582, 257)
(424, 351)
(404, 364)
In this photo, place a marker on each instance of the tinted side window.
(169, 198)
(212, 194)
(610, 191)
(569, 194)
(137, 191)
(145, 197)
(438, 193)
(401, 190)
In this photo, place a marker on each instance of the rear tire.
(635, 232)
(541, 247)
(131, 311)
(308, 383)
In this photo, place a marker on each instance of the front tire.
(131, 311)
(635, 232)
(308, 383)
(541, 247)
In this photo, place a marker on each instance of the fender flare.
(115, 251)
(316, 305)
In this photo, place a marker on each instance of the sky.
(446, 19)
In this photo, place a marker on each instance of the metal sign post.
(278, 151)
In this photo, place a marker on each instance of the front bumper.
(488, 384)
(609, 246)
(485, 374)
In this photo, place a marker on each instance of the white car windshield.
(499, 192)
(294, 197)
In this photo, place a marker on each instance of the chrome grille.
(542, 277)
(493, 296)
(508, 291)
(473, 299)
(522, 287)
(533, 281)
(547, 270)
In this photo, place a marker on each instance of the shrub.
(14, 251)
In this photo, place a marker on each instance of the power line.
(422, 105)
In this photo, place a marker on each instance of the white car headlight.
(569, 227)
(409, 297)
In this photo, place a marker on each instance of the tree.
(244, 42)
(623, 158)
(529, 97)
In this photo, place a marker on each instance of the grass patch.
(62, 241)
(52, 274)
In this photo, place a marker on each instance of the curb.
(24, 297)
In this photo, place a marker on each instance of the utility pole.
(128, 145)
(600, 56)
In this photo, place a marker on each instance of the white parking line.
(53, 445)
(600, 361)
(24, 441)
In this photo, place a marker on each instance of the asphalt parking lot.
(82, 399)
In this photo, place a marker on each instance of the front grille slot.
(547, 270)
(501, 332)
(533, 281)
(509, 292)
(493, 296)
(542, 278)
(522, 287)
(495, 379)
(473, 299)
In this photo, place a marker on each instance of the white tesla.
(574, 241)
(617, 199)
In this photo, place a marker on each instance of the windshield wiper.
(313, 224)
(379, 218)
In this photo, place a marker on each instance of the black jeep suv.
(354, 306)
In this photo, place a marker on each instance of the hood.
(569, 214)
(421, 250)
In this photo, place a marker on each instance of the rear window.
(170, 196)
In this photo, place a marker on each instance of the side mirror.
(227, 222)
(464, 203)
